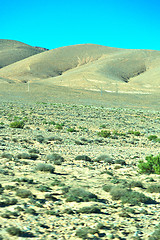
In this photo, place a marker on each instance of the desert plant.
(40, 138)
(83, 232)
(14, 231)
(136, 133)
(80, 195)
(7, 201)
(44, 188)
(136, 184)
(153, 188)
(107, 187)
(56, 158)
(102, 126)
(90, 209)
(129, 196)
(17, 124)
(152, 137)
(71, 130)
(104, 133)
(83, 157)
(59, 126)
(33, 150)
(23, 193)
(151, 165)
(31, 211)
(45, 167)
(7, 155)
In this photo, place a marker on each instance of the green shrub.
(129, 196)
(43, 188)
(25, 179)
(31, 211)
(154, 188)
(71, 130)
(107, 187)
(136, 184)
(17, 124)
(27, 156)
(33, 150)
(57, 182)
(136, 133)
(7, 155)
(152, 137)
(9, 214)
(23, 193)
(53, 213)
(7, 201)
(104, 133)
(45, 167)
(14, 231)
(40, 138)
(90, 209)
(80, 195)
(83, 232)
(83, 157)
(103, 126)
(135, 198)
(59, 126)
(151, 165)
(117, 192)
(56, 158)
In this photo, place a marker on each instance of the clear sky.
(133, 24)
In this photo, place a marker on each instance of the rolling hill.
(90, 67)
(12, 51)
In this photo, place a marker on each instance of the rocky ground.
(62, 177)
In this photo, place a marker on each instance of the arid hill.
(12, 51)
(90, 67)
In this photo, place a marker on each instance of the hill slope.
(12, 51)
(90, 67)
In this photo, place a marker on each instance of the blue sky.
(52, 23)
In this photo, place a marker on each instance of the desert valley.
(79, 142)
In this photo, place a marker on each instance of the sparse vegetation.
(153, 188)
(55, 158)
(44, 167)
(80, 195)
(83, 157)
(154, 138)
(102, 186)
(14, 231)
(129, 196)
(17, 124)
(104, 133)
(84, 231)
(23, 193)
(151, 165)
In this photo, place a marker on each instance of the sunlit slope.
(56, 62)
(13, 51)
(91, 67)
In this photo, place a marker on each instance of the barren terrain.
(71, 145)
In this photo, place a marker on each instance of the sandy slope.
(90, 67)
